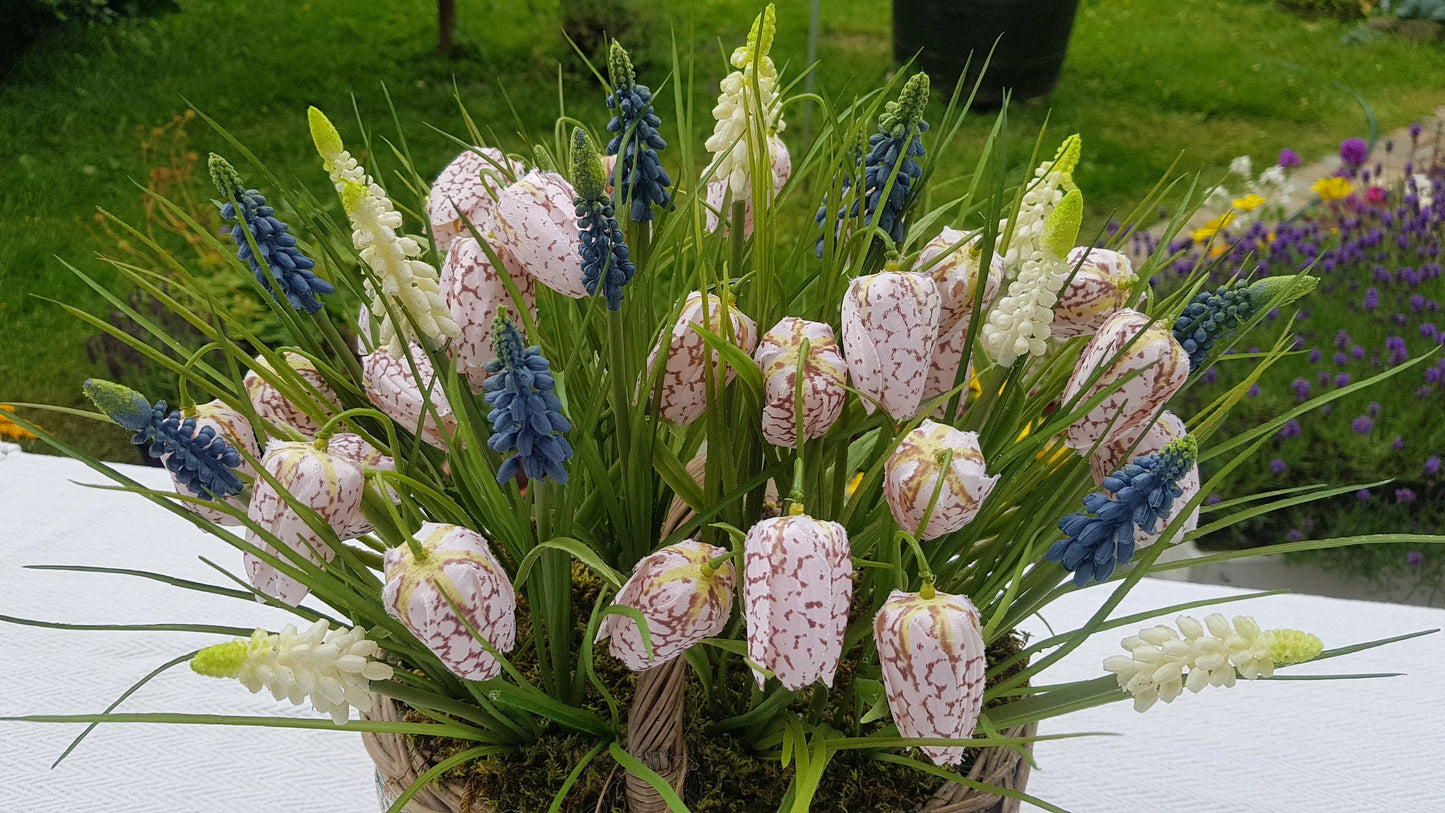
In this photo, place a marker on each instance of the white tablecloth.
(1276, 746)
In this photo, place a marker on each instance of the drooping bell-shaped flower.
(526, 413)
(890, 329)
(232, 427)
(277, 249)
(1102, 285)
(475, 291)
(954, 266)
(411, 400)
(466, 191)
(197, 455)
(684, 385)
(750, 90)
(1123, 414)
(537, 231)
(682, 597)
(1212, 314)
(271, 405)
(933, 658)
(640, 182)
(1111, 457)
(825, 377)
(333, 668)
(717, 190)
(911, 477)
(798, 581)
(943, 367)
(454, 588)
(355, 448)
(1022, 321)
(606, 261)
(329, 484)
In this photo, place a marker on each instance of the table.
(1277, 746)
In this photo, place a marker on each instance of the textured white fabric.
(1276, 746)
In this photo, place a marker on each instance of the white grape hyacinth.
(333, 668)
(1052, 179)
(732, 141)
(1020, 324)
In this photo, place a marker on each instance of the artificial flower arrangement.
(646, 475)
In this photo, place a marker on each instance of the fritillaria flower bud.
(932, 654)
(466, 192)
(272, 406)
(391, 386)
(911, 477)
(1153, 351)
(475, 289)
(368, 457)
(329, 484)
(683, 599)
(1100, 286)
(684, 384)
(1111, 457)
(943, 367)
(825, 376)
(537, 231)
(890, 328)
(798, 580)
(957, 277)
(455, 587)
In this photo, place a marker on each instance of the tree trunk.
(446, 25)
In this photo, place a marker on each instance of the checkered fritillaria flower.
(957, 277)
(466, 192)
(683, 598)
(450, 594)
(683, 395)
(537, 231)
(526, 414)
(931, 649)
(412, 400)
(911, 477)
(272, 405)
(798, 581)
(890, 329)
(824, 384)
(1102, 285)
(637, 178)
(476, 291)
(1124, 414)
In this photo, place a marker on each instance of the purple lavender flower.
(1415, 129)
(1289, 430)
(1277, 466)
(1289, 158)
(1357, 352)
(1415, 559)
(1342, 338)
(1253, 391)
(1373, 409)
(1362, 425)
(1212, 499)
(1397, 350)
(1404, 496)
(1423, 392)
(1301, 388)
(1342, 380)
(1211, 374)
(1294, 535)
(1372, 299)
(1340, 359)
(1432, 466)
(1363, 495)
(1399, 444)
(1314, 356)
(1353, 151)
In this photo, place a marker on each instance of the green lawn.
(1145, 81)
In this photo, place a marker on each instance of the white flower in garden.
(456, 573)
(1273, 178)
(271, 405)
(1020, 324)
(410, 285)
(957, 277)
(233, 427)
(684, 386)
(1051, 180)
(933, 659)
(798, 581)
(1111, 456)
(890, 329)
(1243, 167)
(329, 484)
(746, 92)
(1162, 662)
(824, 380)
(681, 597)
(466, 191)
(333, 668)
(354, 448)
(912, 473)
(411, 402)
(717, 188)
(1153, 350)
(943, 368)
(475, 289)
(536, 232)
(1424, 190)
(1102, 285)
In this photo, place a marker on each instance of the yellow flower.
(1248, 203)
(1332, 188)
(9, 430)
(1213, 227)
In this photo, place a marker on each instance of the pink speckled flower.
(932, 655)
(682, 601)
(824, 380)
(395, 391)
(354, 448)
(890, 328)
(329, 484)
(684, 387)
(943, 367)
(465, 191)
(272, 406)
(474, 289)
(1101, 286)
(911, 476)
(798, 574)
(1126, 411)
(717, 188)
(957, 277)
(1111, 457)
(233, 427)
(458, 569)
(536, 231)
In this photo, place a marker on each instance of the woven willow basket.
(655, 737)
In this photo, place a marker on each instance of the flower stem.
(188, 407)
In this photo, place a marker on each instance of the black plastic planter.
(1032, 35)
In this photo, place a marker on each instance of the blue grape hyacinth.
(638, 178)
(1210, 314)
(526, 414)
(606, 259)
(201, 460)
(1102, 536)
(288, 265)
